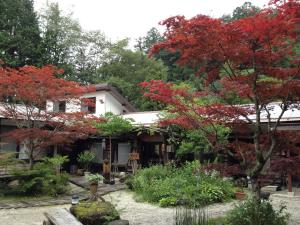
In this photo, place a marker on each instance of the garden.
(44, 179)
(189, 189)
(226, 87)
(187, 185)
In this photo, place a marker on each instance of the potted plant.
(240, 194)
(85, 159)
(94, 179)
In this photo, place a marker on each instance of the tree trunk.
(110, 149)
(31, 161)
(30, 155)
(256, 189)
(289, 182)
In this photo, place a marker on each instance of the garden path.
(78, 186)
(140, 213)
(136, 212)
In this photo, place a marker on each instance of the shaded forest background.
(52, 36)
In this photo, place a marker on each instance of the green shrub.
(56, 162)
(169, 186)
(129, 181)
(169, 201)
(95, 212)
(41, 180)
(252, 213)
(85, 159)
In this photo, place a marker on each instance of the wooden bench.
(60, 217)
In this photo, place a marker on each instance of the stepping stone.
(270, 188)
(119, 222)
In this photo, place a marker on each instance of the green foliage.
(196, 141)
(129, 179)
(243, 11)
(66, 45)
(19, 33)
(145, 43)
(9, 159)
(41, 180)
(114, 125)
(56, 162)
(94, 178)
(125, 69)
(85, 159)
(95, 212)
(251, 212)
(61, 35)
(186, 185)
(246, 10)
(168, 201)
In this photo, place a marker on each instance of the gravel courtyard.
(137, 213)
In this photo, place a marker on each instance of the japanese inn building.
(152, 148)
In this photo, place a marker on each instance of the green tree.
(67, 46)
(60, 36)
(246, 10)
(243, 11)
(89, 56)
(144, 44)
(19, 33)
(125, 69)
(113, 125)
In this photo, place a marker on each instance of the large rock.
(95, 212)
(13, 184)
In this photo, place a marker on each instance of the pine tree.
(19, 33)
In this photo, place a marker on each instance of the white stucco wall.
(100, 97)
(112, 105)
(105, 103)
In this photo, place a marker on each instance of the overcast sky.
(133, 18)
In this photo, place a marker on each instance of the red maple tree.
(25, 95)
(250, 60)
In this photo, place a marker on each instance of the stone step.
(270, 188)
(119, 222)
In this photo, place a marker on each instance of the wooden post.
(289, 175)
(106, 171)
(55, 150)
(110, 154)
(133, 158)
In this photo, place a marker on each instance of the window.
(89, 105)
(59, 106)
(62, 106)
(43, 105)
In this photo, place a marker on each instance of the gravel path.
(137, 213)
(293, 207)
(26, 216)
(146, 214)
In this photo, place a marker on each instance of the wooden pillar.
(55, 150)
(289, 175)
(165, 154)
(161, 158)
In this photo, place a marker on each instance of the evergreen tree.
(19, 33)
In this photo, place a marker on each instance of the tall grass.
(184, 216)
(188, 216)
